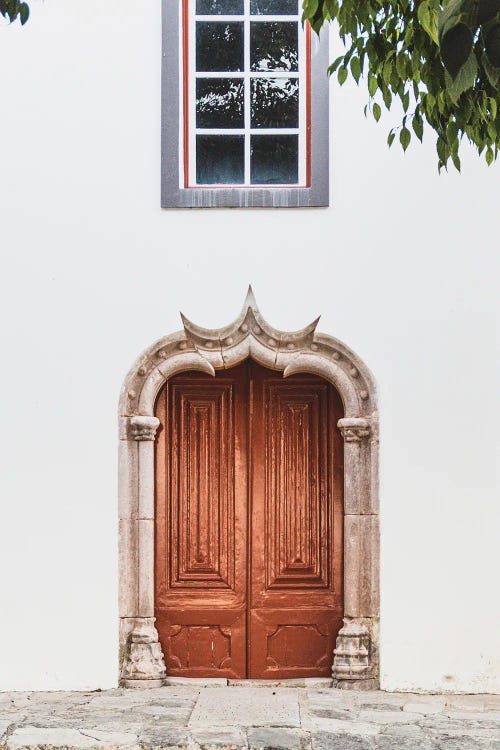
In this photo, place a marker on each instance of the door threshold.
(298, 682)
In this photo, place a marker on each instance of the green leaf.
(310, 7)
(24, 13)
(418, 127)
(452, 133)
(456, 161)
(342, 75)
(387, 72)
(376, 111)
(492, 45)
(428, 19)
(492, 131)
(356, 68)
(456, 47)
(405, 138)
(335, 64)
(490, 158)
(372, 84)
(390, 139)
(464, 79)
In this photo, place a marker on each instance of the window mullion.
(247, 93)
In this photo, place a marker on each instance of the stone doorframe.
(356, 656)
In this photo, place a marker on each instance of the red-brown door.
(248, 568)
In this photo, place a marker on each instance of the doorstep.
(301, 682)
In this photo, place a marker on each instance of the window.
(245, 105)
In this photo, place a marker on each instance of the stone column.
(142, 663)
(355, 664)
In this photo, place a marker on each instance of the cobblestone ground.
(296, 718)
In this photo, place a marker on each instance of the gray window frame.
(175, 196)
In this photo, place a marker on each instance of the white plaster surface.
(403, 268)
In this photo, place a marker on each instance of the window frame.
(176, 190)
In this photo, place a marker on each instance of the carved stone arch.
(356, 662)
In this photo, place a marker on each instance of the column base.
(353, 663)
(369, 684)
(144, 666)
(142, 684)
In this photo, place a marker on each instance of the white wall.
(402, 267)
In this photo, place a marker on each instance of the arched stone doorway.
(355, 658)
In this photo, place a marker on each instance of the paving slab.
(210, 737)
(278, 738)
(246, 707)
(191, 716)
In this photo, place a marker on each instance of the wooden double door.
(249, 519)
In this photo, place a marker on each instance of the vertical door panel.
(201, 536)
(296, 533)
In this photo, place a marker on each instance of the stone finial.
(352, 653)
(143, 428)
(144, 664)
(250, 322)
(354, 429)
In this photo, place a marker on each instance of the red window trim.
(185, 112)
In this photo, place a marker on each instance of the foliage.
(12, 9)
(441, 59)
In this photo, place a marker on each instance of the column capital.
(142, 428)
(354, 429)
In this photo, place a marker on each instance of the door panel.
(288, 643)
(296, 536)
(201, 531)
(249, 517)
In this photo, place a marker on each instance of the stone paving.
(198, 716)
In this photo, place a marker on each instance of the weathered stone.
(4, 725)
(215, 737)
(339, 741)
(242, 717)
(390, 742)
(474, 716)
(403, 730)
(388, 717)
(274, 738)
(467, 702)
(466, 743)
(335, 726)
(196, 681)
(330, 713)
(162, 736)
(423, 708)
(377, 699)
(144, 665)
(62, 737)
(246, 707)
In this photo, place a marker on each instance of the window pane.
(219, 46)
(219, 103)
(274, 159)
(274, 7)
(220, 159)
(274, 46)
(275, 103)
(220, 7)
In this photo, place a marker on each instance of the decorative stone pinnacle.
(354, 429)
(250, 322)
(143, 428)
